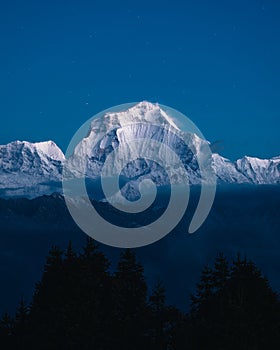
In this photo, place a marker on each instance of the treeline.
(81, 304)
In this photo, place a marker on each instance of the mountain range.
(32, 169)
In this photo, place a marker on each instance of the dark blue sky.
(215, 61)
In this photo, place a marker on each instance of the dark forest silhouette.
(81, 304)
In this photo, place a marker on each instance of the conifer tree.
(221, 272)
(157, 298)
(130, 302)
(70, 255)
(160, 319)
(204, 288)
(6, 325)
(22, 329)
(240, 312)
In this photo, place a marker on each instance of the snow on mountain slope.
(25, 164)
(146, 122)
(247, 170)
(117, 127)
(140, 121)
(31, 167)
(49, 149)
(226, 170)
(260, 171)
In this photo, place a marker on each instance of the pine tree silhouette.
(221, 272)
(157, 299)
(204, 289)
(239, 311)
(7, 332)
(79, 304)
(95, 301)
(158, 316)
(164, 320)
(130, 297)
(21, 325)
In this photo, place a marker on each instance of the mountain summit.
(29, 169)
(32, 169)
(144, 121)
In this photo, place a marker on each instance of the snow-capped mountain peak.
(140, 113)
(259, 171)
(27, 167)
(45, 148)
(145, 121)
(50, 149)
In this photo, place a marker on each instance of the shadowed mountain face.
(31, 170)
(243, 219)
